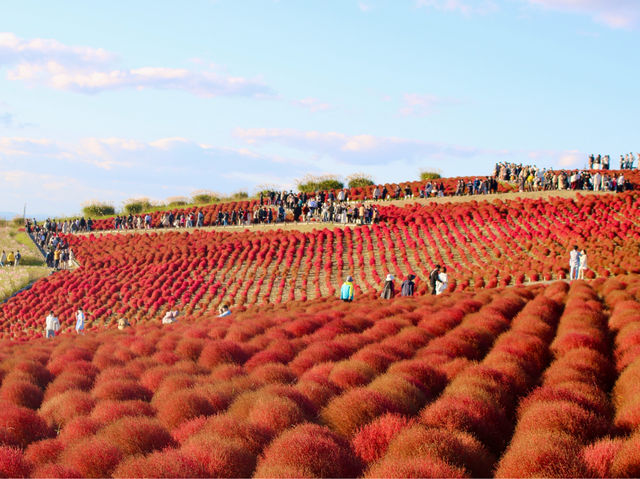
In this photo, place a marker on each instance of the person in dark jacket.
(433, 278)
(389, 288)
(408, 286)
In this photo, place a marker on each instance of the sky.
(111, 100)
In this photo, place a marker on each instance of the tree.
(359, 180)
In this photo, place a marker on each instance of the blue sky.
(113, 100)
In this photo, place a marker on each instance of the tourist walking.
(347, 290)
(433, 278)
(408, 286)
(389, 288)
(3, 258)
(80, 318)
(574, 258)
(582, 262)
(52, 325)
(442, 282)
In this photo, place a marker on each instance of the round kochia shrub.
(308, 450)
(220, 458)
(420, 467)
(13, 463)
(109, 411)
(121, 390)
(371, 442)
(354, 409)
(44, 452)
(169, 463)
(182, 406)
(92, 457)
(20, 426)
(59, 410)
(137, 435)
(21, 393)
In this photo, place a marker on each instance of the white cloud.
(415, 104)
(313, 104)
(91, 70)
(465, 7)
(613, 13)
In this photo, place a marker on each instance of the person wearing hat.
(389, 288)
(408, 286)
(347, 290)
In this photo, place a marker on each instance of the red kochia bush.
(21, 393)
(20, 426)
(169, 463)
(182, 406)
(453, 447)
(121, 390)
(220, 458)
(60, 409)
(627, 460)
(13, 463)
(229, 429)
(78, 428)
(421, 467)
(55, 470)
(599, 456)
(109, 411)
(308, 450)
(354, 409)
(542, 454)
(92, 457)
(219, 352)
(371, 442)
(137, 435)
(44, 452)
(67, 381)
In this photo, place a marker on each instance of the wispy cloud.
(465, 7)
(613, 13)
(93, 70)
(312, 104)
(415, 104)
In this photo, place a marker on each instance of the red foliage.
(13, 463)
(20, 426)
(219, 352)
(599, 456)
(627, 459)
(371, 442)
(55, 470)
(220, 458)
(308, 450)
(60, 409)
(169, 463)
(182, 406)
(420, 467)
(137, 435)
(92, 457)
(21, 393)
(78, 428)
(108, 411)
(44, 452)
(119, 390)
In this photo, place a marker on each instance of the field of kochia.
(539, 380)
(483, 244)
(513, 372)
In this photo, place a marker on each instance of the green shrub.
(430, 175)
(311, 184)
(359, 180)
(18, 221)
(137, 206)
(177, 201)
(204, 197)
(240, 195)
(98, 209)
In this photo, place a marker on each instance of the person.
(17, 259)
(11, 258)
(52, 325)
(170, 317)
(408, 286)
(346, 292)
(442, 282)
(224, 311)
(574, 255)
(123, 323)
(389, 288)
(3, 258)
(80, 317)
(583, 266)
(433, 278)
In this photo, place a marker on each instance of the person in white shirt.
(170, 317)
(442, 282)
(582, 264)
(574, 263)
(80, 317)
(52, 325)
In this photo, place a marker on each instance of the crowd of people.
(11, 259)
(477, 186)
(532, 178)
(58, 254)
(577, 263)
(603, 162)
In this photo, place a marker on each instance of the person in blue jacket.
(346, 292)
